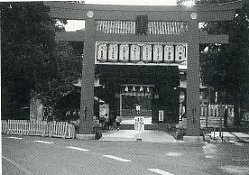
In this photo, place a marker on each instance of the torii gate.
(191, 16)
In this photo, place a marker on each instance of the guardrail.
(41, 128)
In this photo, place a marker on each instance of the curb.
(241, 139)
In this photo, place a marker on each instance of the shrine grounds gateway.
(143, 45)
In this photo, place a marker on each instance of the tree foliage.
(31, 60)
(226, 67)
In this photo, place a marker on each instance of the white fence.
(41, 128)
(214, 110)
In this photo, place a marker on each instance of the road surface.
(49, 156)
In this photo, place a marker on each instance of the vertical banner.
(160, 115)
(157, 53)
(113, 52)
(180, 54)
(135, 53)
(104, 111)
(124, 53)
(102, 52)
(168, 53)
(147, 53)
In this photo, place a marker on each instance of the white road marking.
(158, 171)
(40, 141)
(209, 150)
(238, 144)
(117, 158)
(240, 160)
(236, 170)
(17, 138)
(173, 154)
(17, 165)
(76, 148)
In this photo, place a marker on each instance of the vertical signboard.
(139, 124)
(160, 115)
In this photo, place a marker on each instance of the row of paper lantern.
(137, 89)
(145, 53)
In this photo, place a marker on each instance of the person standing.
(111, 119)
(138, 109)
(118, 120)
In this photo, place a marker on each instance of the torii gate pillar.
(88, 75)
(193, 79)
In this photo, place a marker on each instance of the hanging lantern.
(133, 89)
(148, 89)
(141, 88)
(180, 54)
(126, 89)
(168, 53)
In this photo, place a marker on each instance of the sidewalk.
(231, 136)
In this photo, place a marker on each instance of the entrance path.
(132, 135)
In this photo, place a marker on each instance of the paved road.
(49, 156)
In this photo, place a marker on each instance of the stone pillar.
(193, 79)
(87, 87)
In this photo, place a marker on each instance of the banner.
(104, 111)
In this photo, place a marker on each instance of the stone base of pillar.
(193, 139)
(85, 136)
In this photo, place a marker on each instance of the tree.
(225, 67)
(28, 53)
(33, 63)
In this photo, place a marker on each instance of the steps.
(157, 127)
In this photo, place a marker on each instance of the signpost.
(139, 125)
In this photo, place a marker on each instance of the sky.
(77, 25)
(132, 2)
